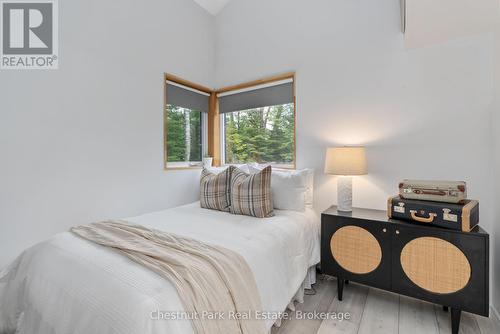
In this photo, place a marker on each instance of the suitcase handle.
(430, 192)
(429, 219)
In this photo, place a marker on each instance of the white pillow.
(289, 188)
(217, 170)
(253, 167)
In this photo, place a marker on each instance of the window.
(185, 125)
(184, 143)
(249, 122)
(260, 135)
(258, 124)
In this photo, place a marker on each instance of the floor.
(374, 311)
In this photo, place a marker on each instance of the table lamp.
(345, 162)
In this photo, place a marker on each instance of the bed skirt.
(299, 295)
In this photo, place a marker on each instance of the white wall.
(496, 167)
(422, 113)
(85, 142)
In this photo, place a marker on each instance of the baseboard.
(495, 314)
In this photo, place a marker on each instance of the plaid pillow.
(251, 194)
(215, 189)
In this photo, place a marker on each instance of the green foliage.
(260, 135)
(255, 135)
(176, 134)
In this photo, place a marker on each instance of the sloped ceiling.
(212, 6)
(427, 22)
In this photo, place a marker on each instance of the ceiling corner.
(212, 6)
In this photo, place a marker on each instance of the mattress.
(70, 285)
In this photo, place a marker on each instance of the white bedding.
(69, 285)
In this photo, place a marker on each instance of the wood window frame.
(214, 123)
(175, 79)
(250, 84)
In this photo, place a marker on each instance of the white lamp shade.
(345, 161)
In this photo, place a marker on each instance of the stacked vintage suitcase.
(440, 203)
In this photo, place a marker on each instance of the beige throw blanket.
(208, 278)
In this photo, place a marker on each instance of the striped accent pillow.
(215, 189)
(251, 194)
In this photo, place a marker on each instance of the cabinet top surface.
(381, 216)
(359, 213)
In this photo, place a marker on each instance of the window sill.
(183, 165)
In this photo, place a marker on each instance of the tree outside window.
(184, 133)
(263, 135)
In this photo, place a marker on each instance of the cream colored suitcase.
(438, 191)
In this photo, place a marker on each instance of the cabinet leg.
(455, 320)
(340, 288)
(445, 308)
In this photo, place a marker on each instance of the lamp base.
(344, 193)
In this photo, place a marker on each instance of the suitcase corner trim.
(466, 213)
(389, 207)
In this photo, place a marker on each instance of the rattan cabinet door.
(441, 266)
(357, 250)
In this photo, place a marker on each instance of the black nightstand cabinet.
(381, 276)
(446, 267)
(473, 297)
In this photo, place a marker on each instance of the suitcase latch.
(449, 216)
(400, 208)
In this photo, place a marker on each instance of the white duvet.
(69, 285)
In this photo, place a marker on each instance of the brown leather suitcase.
(456, 216)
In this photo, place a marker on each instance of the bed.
(69, 285)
